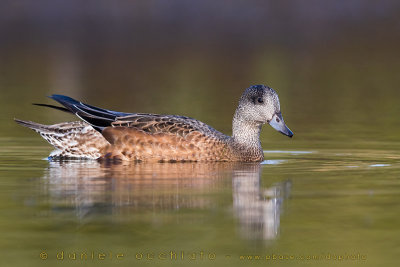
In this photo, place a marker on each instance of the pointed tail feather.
(32, 125)
(52, 106)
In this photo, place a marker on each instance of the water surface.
(310, 205)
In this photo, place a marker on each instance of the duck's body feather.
(171, 124)
(70, 139)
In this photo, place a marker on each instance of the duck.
(108, 135)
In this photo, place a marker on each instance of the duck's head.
(259, 104)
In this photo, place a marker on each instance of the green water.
(327, 197)
(301, 203)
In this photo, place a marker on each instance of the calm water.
(302, 203)
(332, 191)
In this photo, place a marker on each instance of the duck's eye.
(260, 100)
(277, 120)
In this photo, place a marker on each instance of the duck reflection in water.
(89, 188)
(257, 209)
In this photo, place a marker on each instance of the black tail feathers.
(97, 117)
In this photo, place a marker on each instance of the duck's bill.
(278, 124)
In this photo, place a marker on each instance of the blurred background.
(333, 63)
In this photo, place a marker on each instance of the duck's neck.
(246, 134)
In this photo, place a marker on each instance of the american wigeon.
(105, 134)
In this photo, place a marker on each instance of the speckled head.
(259, 104)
